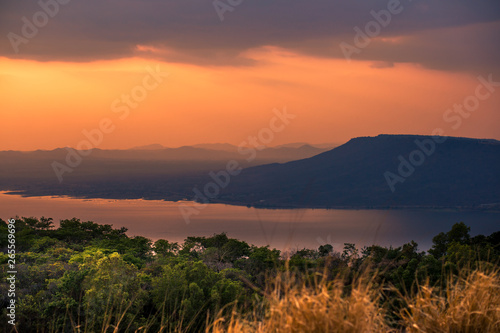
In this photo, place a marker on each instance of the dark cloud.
(436, 32)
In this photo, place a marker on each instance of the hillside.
(457, 172)
(166, 173)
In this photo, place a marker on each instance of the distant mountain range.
(208, 152)
(153, 146)
(152, 172)
(386, 171)
(233, 148)
(383, 171)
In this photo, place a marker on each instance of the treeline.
(88, 277)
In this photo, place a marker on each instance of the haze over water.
(282, 229)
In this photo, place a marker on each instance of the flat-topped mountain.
(382, 171)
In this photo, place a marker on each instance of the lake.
(282, 229)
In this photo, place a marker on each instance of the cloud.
(468, 48)
(190, 31)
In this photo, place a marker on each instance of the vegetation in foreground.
(87, 277)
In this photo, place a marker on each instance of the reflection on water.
(283, 229)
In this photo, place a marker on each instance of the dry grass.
(324, 307)
(470, 303)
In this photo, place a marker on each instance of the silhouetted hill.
(153, 146)
(217, 146)
(316, 145)
(166, 173)
(457, 172)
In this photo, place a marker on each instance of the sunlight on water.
(283, 229)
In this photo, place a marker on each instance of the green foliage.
(113, 291)
(459, 233)
(163, 247)
(325, 250)
(77, 232)
(186, 292)
(93, 278)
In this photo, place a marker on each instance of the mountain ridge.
(355, 175)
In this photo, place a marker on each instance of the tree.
(186, 291)
(325, 250)
(459, 233)
(350, 252)
(165, 248)
(113, 290)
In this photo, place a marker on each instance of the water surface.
(283, 229)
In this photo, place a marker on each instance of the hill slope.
(167, 173)
(456, 172)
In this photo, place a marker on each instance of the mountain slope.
(168, 173)
(459, 172)
(153, 146)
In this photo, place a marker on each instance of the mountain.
(292, 145)
(379, 172)
(383, 171)
(167, 173)
(232, 148)
(328, 145)
(217, 146)
(185, 153)
(153, 146)
(316, 145)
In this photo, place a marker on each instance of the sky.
(124, 73)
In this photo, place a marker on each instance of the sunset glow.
(333, 99)
(226, 73)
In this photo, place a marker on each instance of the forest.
(88, 277)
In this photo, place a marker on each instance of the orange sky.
(44, 105)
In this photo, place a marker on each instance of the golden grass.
(469, 303)
(323, 307)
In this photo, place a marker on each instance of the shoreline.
(486, 208)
